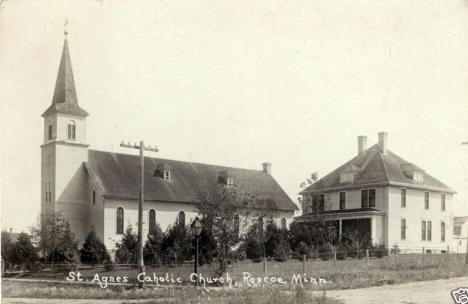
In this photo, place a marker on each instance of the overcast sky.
(238, 83)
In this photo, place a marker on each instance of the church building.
(99, 190)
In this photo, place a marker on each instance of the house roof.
(117, 176)
(377, 168)
(65, 100)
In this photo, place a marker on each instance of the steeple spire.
(65, 100)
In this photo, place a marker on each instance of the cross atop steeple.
(65, 32)
(65, 99)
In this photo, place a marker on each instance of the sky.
(239, 83)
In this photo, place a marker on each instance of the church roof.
(65, 100)
(377, 168)
(118, 174)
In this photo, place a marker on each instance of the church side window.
(152, 222)
(120, 220)
(50, 132)
(283, 224)
(182, 218)
(71, 130)
(94, 197)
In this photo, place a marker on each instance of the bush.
(109, 266)
(93, 250)
(379, 251)
(325, 254)
(127, 248)
(341, 254)
(253, 245)
(23, 252)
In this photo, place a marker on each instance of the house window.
(321, 202)
(120, 220)
(50, 132)
(367, 198)
(152, 222)
(167, 175)
(182, 218)
(423, 230)
(403, 229)
(442, 231)
(426, 230)
(457, 230)
(283, 224)
(307, 204)
(426, 200)
(442, 202)
(314, 203)
(342, 200)
(71, 130)
(403, 197)
(94, 197)
(429, 230)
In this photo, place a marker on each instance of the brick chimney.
(383, 142)
(267, 168)
(362, 144)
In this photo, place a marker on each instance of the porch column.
(373, 230)
(339, 228)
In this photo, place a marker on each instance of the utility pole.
(141, 147)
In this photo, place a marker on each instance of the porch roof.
(340, 214)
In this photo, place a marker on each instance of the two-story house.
(380, 194)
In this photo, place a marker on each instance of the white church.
(99, 190)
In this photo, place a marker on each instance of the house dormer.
(412, 172)
(226, 178)
(163, 171)
(349, 173)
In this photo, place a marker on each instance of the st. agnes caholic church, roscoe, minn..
(99, 190)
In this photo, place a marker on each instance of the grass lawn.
(350, 273)
(186, 294)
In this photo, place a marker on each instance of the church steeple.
(65, 100)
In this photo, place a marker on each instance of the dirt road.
(427, 292)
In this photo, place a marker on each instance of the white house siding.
(414, 213)
(353, 198)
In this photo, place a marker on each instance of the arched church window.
(182, 218)
(152, 221)
(120, 220)
(283, 223)
(71, 130)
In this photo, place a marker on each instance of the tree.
(176, 246)
(207, 247)
(94, 251)
(56, 239)
(276, 243)
(23, 252)
(225, 212)
(152, 250)
(126, 252)
(7, 246)
(253, 243)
